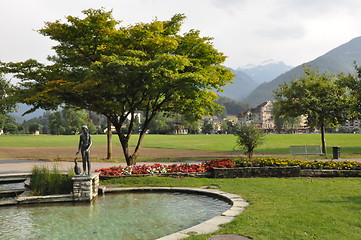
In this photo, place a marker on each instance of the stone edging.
(209, 226)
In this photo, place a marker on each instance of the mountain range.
(265, 71)
(338, 60)
(249, 77)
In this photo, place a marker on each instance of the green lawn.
(282, 208)
(275, 143)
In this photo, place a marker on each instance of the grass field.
(282, 208)
(275, 143)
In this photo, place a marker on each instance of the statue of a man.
(85, 143)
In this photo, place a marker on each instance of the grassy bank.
(294, 208)
(275, 143)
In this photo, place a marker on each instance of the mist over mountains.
(338, 60)
(248, 78)
(265, 71)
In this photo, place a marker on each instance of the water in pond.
(12, 186)
(114, 216)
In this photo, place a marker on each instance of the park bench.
(306, 150)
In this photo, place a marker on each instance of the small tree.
(248, 138)
(208, 126)
(34, 127)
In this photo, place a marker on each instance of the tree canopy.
(353, 84)
(117, 71)
(6, 106)
(319, 97)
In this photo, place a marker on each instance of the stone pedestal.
(85, 188)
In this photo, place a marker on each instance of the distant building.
(261, 116)
(351, 125)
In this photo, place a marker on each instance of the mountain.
(21, 108)
(340, 59)
(240, 88)
(266, 71)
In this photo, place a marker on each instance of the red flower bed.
(159, 168)
(219, 163)
(186, 168)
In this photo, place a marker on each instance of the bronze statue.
(85, 142)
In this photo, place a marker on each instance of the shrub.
(248, 138)
(274, 162)
(45, 181)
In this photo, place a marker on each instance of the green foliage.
(229, 126)
(7, 104)
(70, 121)
(284, 122)
(232, 106)
(41, 121)
(353, 85)
(117, 72)
(45, 181)
(55, 126)
(320, 97)
(208, 126)
(9, 124)
(248, 138)
(34, 127)
(165, 123)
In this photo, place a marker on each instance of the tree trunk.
(124, 139)
(125, 146)
(109, 140)
(323, 139)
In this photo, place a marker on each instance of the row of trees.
(69, 121)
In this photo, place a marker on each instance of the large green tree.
(353, 84)
(319, 97)
(6, 105)
(117, 71)
(283, 122)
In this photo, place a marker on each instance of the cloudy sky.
(247, 31)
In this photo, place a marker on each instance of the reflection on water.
(114, 216)
(11, 186)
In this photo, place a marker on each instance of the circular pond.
(114, 216)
